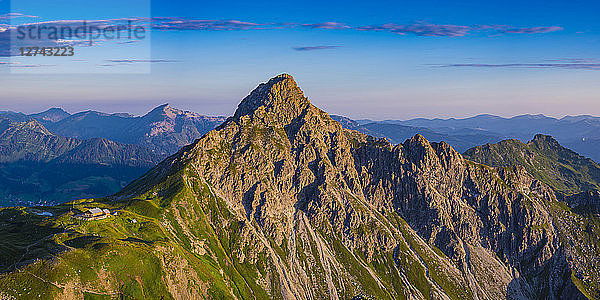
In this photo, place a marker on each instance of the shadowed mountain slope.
(39, 167)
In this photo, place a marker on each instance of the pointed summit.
(545, 141)
(33, 126)
(280, 97)
(162, 111)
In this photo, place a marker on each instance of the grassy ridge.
(545, 159)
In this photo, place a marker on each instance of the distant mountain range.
(53, 156)
(579, 133)
(163, 130)
(38, 166)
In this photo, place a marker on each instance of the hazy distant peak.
(164, 110)
(56, 110)
(54, 114)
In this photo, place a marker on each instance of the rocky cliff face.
(281, 202)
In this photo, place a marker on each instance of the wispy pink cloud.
(186, 24)
(327, 25)
(449, 30)
(209, 25)
(14, 16)
(421, 29)
(578, 66)
(533, 30)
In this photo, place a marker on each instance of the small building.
(94, 214)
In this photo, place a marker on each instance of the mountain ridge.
(579, 133)
(164, 129)
(576, 132)
(575, 179)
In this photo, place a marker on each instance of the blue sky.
(379, 60)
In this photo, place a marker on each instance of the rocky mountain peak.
(163, 111)
(419, 146)
(545, 141)
(33, 126)
(280, 98)
(54, 114)
(427, 154)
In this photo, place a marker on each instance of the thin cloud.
(10, 16)
(50, 33)
(206, 25)
(576, 60)
(577, 66)
(20, 65)
(326, 25)
(131, 61)
(450, 30)
(311, 48)
(31, 66)
(421, 29)
(128, 42)
(532, 30)
(186, 24)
